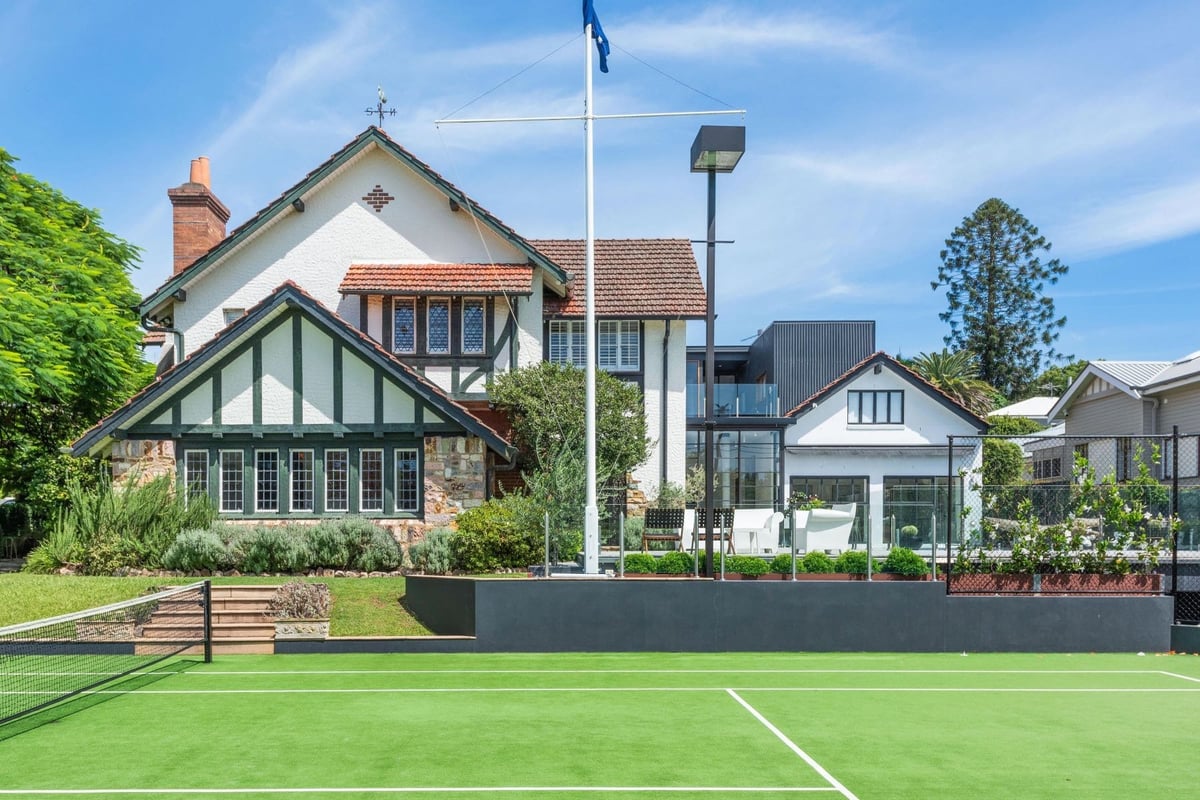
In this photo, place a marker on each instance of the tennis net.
(49, 660)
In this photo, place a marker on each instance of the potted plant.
(301, 610)
(744, 567)
(640, 565)
(676, 563)
(854, 564)
(817, 567)
(903, 564)
(910, 536)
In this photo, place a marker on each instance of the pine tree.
(994, 279)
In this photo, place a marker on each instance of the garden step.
(243, 592)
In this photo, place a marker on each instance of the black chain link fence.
(1087, 514)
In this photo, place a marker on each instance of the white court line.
(824, 773)
(203, 674)
(1181, 677)
(424, 790)
(580, 689)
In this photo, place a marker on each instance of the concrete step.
(253, 592)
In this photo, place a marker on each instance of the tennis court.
(628, 726)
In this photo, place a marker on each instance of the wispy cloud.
(1133, 220)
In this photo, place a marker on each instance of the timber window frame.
(407, 480)
(302, 495)
(404, 325)
(371, 480)
(337, 479)
(474, 327)
(619, 345)
(195, 473)
(437, 326)
(266, 481)
(875, 407)
(567, 342)
(233, 482)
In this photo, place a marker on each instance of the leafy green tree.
(957, 374)
(545, 405)
(69, 337)
(1056, 379)
(995, 278)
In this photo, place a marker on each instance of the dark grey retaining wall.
(582, 615)
(1185, 638)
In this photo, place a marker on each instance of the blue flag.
(590, 18)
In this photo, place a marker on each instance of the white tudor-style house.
(877, 436)
(331, 354)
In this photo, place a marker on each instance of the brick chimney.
(199, 217)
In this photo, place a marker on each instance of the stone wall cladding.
(144, 459)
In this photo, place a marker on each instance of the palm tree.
(957, 375)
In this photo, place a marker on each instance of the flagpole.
(591, 513)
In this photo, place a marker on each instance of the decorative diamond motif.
(377, 198)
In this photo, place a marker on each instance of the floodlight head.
(718, 148)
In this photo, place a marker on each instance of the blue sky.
(872, 130)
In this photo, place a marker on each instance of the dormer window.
(404, 330)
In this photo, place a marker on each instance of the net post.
(1175, 522)
(949, 511)
(206, 593)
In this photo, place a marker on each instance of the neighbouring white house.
(331, 354)
(878, 436)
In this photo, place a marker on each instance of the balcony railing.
(735, 400)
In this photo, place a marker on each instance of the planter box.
(895, 576)
(991, 583)
(301, 629)
(1084, 583)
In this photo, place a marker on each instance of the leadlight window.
(232, 480)
(370, 480)
(620, 345)
(472, 326)
(407, 480)
(568, 344)
(337, 480)
(302, 480)
(195, 472)
(404, 326)
(437, 319)
(266, 480)
(875, 408)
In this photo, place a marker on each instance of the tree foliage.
(957, 374)
(545, 405)
(994, 276)
(1055, 380)
(69, 338)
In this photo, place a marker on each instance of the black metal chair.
(722, 528)
(663, 525)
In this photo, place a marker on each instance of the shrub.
(676, 562)
(854, 562)
(59, 548)
(634, 526)
(432, 554)
(197, 550)
(299, 600)
(746, 565)
(273, 549)
(640, 564)
(378, 552)
(817, 561)
(782, 564)
(903, 561)
(499, 534)
(332, 544)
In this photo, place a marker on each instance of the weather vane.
(379, 109)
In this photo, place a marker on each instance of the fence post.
(1175, 521)
(546, 530)
(621, 545)
(949, 510)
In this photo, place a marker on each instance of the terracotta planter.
(1083, 583)
(894, 576)
(773, 576)
(992, 583)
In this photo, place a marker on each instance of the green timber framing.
(156, 307)
(162, 410)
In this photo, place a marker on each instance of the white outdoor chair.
(829, 528)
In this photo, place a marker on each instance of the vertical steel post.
(949, 508)
(709, 368)
(621, 545)
(546, 530)
(206, 599)
(1175, 520)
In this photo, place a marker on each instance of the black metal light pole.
(717, 148)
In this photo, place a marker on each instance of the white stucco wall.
(674, 439)
(823, 444)
(337, 229)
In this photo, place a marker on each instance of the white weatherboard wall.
(833, 447)
(337, 228)
(675, 437)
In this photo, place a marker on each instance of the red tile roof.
(634, 278)
(482, 279)
(154, 338)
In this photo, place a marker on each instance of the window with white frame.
(266, 480)
(232, 481)
(473, 326)
(195, 472)
(568, 344)
(875, 407)
(337, 480)
(437, 325)
(408, 480)
(619, 347)
(231, 315)
(302, 478)
(404, 325)
(370, 480)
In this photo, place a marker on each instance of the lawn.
(361, 606)
(629, 726)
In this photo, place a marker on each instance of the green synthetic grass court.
(628, 726)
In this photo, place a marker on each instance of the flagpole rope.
(671, 77)
(513, 77)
